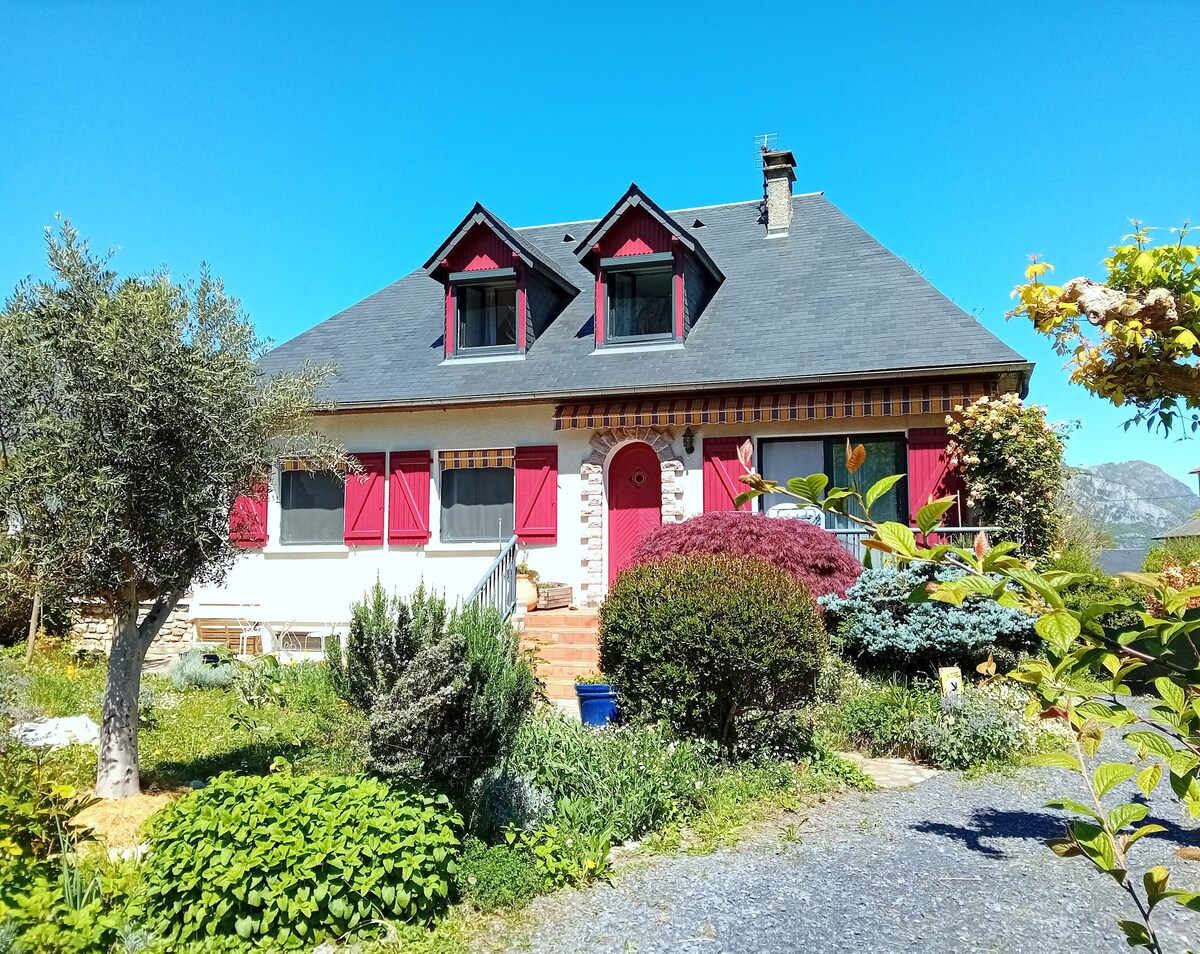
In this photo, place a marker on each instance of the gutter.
(1023, 371)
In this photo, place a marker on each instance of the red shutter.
(364, 502)
(248, 519)
(930, 475)
(722, 468)
(536, 494)
(409, 487)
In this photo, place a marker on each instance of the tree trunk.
(117, 768)
(35, 619)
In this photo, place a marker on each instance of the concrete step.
(568, 653)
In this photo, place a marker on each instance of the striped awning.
(458, 459)
(850, 403)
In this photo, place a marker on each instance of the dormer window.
(653, 277)
(502, 293)
(487, 316)
(641, 300)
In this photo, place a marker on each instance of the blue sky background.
(314, 152)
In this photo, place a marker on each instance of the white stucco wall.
(316, 584)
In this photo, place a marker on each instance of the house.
(578, 384)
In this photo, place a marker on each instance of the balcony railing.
(852, 537)
(498, 587)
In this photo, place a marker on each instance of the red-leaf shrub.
(807, 553)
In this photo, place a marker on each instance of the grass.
(193, 734)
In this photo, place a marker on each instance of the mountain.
(1133, 500)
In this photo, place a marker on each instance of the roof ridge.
(688, 208)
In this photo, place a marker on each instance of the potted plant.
(597, 699)
(527, 590)
(554, 595)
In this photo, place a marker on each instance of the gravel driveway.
(948, 865)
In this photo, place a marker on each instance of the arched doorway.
(634, 502)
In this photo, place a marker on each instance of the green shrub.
(498, 876)
(1176, 551)
(884, 719)
(698, 640)
(503, 799)
(36, 812)
(878, 621)
(297, 859)
(190, 671)
(971, 732)
(1099, 587)
(455, 709)
(63, 907)
(629, 780)
(258, 683)
(386, 633)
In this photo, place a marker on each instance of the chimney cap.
(778, 157)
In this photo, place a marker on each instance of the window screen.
(312, 507)
(477, 504)
(487, 316)
(639, 303)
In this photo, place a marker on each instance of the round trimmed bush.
(700, 640)
(293, 860)
(809, 554)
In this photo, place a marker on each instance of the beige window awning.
(470, 459)
(842, 403)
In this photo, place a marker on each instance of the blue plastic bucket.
(597, 703)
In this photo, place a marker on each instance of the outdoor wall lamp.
(689, 441)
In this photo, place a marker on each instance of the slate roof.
(825, 304)
(1189, 528)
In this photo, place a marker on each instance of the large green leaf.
(1144, 741)
(810, 487)
(1126, 814)
(1111, 774)
(1059, 628)
(881, 487)
(930, 515)
(1063, 760)
(897, 536)
(1170, 693)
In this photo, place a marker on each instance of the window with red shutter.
(248, 519)
(536, 494)
(408, 490)
(364, 501)
(722, 470)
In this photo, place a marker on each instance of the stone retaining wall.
(93, 629)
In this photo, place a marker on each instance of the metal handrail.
(852, 537)
(498, 586)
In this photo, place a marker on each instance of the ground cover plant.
(298, 859)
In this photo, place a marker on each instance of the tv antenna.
(767, 142)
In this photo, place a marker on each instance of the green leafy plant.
(495, 877)
(701, 640)
(192, 670)
(297, 859)
(567, 851)
(386, 633)
(591, 679)
(1176, 551)
(37, 813)
(1160, 654)
(628, 779)
(258, 683)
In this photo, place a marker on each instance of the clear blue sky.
(314, 152)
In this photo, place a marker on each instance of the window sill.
(482, 358)
(616, 347)
(463, 546)
(307, 550)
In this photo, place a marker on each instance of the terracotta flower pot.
(527, 592)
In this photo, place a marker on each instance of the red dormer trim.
(636, 232)
(600, 300)
(677, 286)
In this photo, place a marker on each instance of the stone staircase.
(566, 645)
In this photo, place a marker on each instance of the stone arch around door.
(593, 506)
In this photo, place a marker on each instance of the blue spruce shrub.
(877, 621)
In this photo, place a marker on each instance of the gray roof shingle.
(825, 303)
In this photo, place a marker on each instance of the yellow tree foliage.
(1133, 338)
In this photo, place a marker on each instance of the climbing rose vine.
(1012, 461)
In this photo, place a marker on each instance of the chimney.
(779, 172)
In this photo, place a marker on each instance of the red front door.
(634, 502)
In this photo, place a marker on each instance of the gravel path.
(948, 865)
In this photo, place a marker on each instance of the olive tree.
(133, 414)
